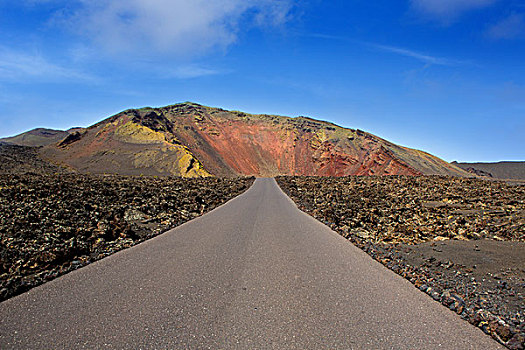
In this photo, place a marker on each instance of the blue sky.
(444, 76)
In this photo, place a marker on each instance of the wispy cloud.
(178, 27)
(328, 36)
(428, 59)
(16, 65)
(190, 71)
(425, 58)
(448, 10)
(508, 28)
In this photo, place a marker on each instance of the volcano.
(192, 140)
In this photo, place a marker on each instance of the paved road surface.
(255, 273)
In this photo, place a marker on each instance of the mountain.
(191, 140)
(499, 170)
(38, 137)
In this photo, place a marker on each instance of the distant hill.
(39, 137)
(15, 159)
(499, 170)
(190, 140)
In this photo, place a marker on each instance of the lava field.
(54, 223)
(460, 240)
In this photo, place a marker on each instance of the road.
(255, 273)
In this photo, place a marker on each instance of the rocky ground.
(462, 241)
(54, 223)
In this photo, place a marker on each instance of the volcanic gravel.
(462, 241)
(52, 224)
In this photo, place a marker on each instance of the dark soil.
(462, 241)
(492, 272)
(54, 223)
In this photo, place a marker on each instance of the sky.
(444, 76)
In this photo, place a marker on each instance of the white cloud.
(20, 66)
(508, 28)
(448, 10)
(181, 27)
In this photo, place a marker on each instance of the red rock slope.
(193, 140)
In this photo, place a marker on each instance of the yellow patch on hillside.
(175, 160)
(322, 135)
(146, 158)
(189, 166)
(135, 133)
(105, 129)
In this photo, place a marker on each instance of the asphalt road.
(255, 273)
